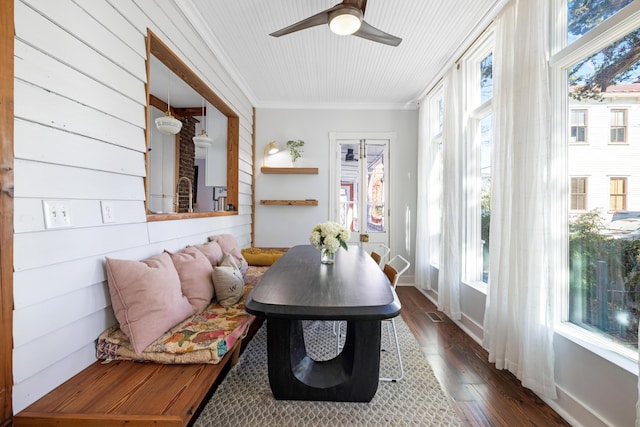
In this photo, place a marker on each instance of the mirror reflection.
(181, 175)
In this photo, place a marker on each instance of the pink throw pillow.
(146, 298)
(212, 251)
(194, 270)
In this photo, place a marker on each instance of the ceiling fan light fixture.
(345, 21)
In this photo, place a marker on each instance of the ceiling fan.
(344, 19)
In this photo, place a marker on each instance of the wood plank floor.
(484, 395)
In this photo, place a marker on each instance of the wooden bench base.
(128, 393)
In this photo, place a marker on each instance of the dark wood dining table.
(299, 287)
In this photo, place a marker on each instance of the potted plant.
(295, 150)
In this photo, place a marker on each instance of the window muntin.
(578, 126)
(617, 194)
(579, 193)
(618, 126)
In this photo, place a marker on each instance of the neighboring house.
(604, 152)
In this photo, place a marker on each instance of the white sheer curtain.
(423, 242)
(518, 323)
(450, 256)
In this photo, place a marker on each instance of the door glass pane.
(376, 198)
(349, 186)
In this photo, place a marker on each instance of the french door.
(360, 187)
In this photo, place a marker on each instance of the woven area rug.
(244, 398)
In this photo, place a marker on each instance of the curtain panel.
(425, 165)
(518, 322)
(451, 237)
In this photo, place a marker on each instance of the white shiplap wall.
(79, 137)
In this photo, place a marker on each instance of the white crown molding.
(336, 106)
(189, 10)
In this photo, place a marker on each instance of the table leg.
(352, 376)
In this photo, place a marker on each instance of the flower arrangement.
(328, 237)
(295, 151)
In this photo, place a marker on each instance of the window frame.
(625, 116)
(625, 192)
(585, 126)
(475, 112)
(585, 194)
(563, 56)
(435, 111)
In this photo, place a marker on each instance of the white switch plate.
(108, 215)
(56, 213)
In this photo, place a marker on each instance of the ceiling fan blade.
(368, 32)
(312, 21)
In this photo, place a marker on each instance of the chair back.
(395, 268)
(380, 253)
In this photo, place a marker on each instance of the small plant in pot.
(295, 149)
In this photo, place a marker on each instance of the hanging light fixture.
(203, 140)
(168, 124)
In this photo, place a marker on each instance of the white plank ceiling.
(315, 68)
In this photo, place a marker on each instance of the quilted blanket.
(202, 338)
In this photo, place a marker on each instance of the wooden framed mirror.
(180, 178)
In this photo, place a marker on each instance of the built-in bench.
(134, 393)
(124, 392)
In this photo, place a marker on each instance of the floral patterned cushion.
(202, 338)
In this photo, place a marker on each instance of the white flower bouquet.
(329, 236)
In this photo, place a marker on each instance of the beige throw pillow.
(194, 270)
(146, 298)
(228, 281)
(228, 244)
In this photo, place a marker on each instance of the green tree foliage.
(614, 64)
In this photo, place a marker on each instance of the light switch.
(56, 213)
(108, 215)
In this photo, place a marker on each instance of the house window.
(618, 126)
(618, 194)
(578, 126)
(435, 103)
(478, 66)
(578, 194)
(602, 243)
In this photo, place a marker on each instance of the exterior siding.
(80, 78)
(599, 160)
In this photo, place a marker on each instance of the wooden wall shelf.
(306, 202)
(308, 171)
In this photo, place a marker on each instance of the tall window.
(435, 102)
(578, 125)
(618, 194)
(618, 126)
(478, 66)
(578, 194)
(603, 242)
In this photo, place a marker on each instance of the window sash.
(618, 194)
(578, 193)
(618, 126)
